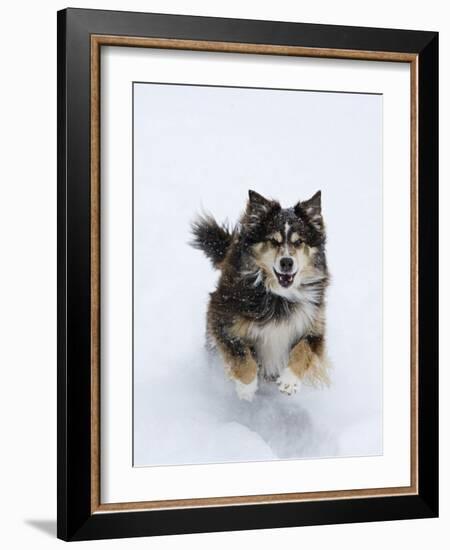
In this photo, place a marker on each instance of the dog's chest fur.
(274, 340)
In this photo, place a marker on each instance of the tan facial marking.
(258, 247)
(294, 237)
(265, 260)
(266, 256)
(277, 237)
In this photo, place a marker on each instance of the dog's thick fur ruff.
(266, 316)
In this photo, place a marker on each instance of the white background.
(28, 276)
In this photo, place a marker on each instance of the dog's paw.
(246, 392)
(288, 382)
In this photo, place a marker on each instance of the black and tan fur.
(266, 316)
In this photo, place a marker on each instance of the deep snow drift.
(191, 414)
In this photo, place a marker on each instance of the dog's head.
(285, 244)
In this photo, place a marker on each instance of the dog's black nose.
(286, 264)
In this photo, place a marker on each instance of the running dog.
(267, 315)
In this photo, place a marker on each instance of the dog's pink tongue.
(285, 280)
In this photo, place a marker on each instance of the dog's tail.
(213, 239)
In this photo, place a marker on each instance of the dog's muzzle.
(285, 279)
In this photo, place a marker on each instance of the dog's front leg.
(241, 365)
(304, 360)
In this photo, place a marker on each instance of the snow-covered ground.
(193, 416)
(205, 147)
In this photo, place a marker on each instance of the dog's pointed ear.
(255, 199)
(258, 205)
(311, 207)
(258, 210)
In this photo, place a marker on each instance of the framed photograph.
(247, 256)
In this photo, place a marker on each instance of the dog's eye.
(298, 242)
(274, 242)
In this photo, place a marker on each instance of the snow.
(185, 409)
(192, 415)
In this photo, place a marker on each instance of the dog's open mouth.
(285, 279)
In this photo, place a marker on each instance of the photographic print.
(247, 274)
(257, 274)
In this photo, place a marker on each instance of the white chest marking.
(273, 341)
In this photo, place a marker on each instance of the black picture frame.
(76, 521)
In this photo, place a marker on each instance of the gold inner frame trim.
(97, 41)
